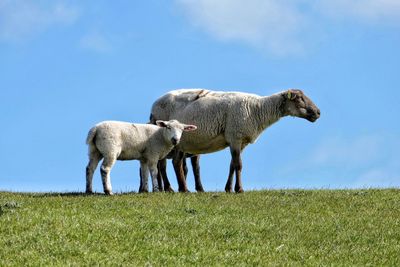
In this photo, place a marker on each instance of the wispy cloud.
(361, 161)
(371, 11)
(96, 42)
(262, 23)
(281, 26)
(338, 150)
(23, 19)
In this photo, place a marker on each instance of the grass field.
(278, 227)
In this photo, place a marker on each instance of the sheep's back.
(125, 139)
(167, 105)
(220, 120)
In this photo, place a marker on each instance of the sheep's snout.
(313, 115)
(174, 141)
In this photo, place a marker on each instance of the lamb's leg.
(105, 169)
(228, 186)
(144, 178)
(154, 174)
(94, 158)
(141, 180)
(237, 165)
(196, 172)
(180, 176)
(162, 170)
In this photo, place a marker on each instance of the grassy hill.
(278, 227)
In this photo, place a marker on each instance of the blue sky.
(66, 65)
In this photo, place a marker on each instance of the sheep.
(115, 140)
(233, 119)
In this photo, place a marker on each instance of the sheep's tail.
(91, 136)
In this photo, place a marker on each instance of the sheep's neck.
(271, 110)
(166, 146)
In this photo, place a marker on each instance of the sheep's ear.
(189, 128)
(161, 123)
(291, 95)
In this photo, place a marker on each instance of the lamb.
(233, 119)
(114, 140)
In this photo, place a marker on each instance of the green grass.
(278, 227)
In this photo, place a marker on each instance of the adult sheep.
(233, 119)
(115, 140)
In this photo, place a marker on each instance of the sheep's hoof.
(143, 191)
(240, 190)
(228, 190)
(169, 190)
(184, 191)
(108, 193)
(89, 192)
(200, 190)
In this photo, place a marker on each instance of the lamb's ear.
(161, 123)
(188, 128)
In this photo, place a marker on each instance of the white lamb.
(114, 140)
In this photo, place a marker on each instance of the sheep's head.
(174, 129)
(299, 105)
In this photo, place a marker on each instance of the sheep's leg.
(105, 169)
(141, 178)
(185, 168)
(177, 162)
(162, 170)
(94, 158)
(159, 179)
(237, 165)
(154, 174)
(196, 172)
(144, 178)
(228, 186)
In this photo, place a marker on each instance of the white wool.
(114, 140)
(233, 119)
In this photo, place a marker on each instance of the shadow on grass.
(58, 194)
(83, 194)
(9, 206)
(76, 194)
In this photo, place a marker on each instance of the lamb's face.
(174, 129)
(299, 105)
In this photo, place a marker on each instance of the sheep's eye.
(168, 127)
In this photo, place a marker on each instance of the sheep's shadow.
(76, 194)
(59, 194)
